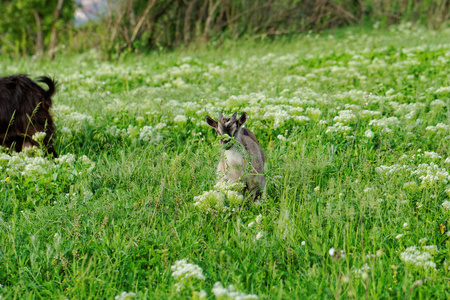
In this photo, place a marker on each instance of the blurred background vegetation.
(49, 27)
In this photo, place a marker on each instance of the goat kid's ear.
(234, 116)
(242, 119)
(211, 122)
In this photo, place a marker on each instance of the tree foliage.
(26, 25)
(32, 26)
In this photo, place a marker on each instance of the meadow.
(355, 125)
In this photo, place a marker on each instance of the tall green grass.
(79, 233)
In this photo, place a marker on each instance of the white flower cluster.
(345, 117)
(257, 221)
(409, 110)
(419, 257)
(431, 174)
(199, 295)
(259, 235)
(67, 117)
(444, 90)
(446, 205)
(339, 127)
(365, 268)
(39, 137)
(180, 119)
(437, 105)
(369, 134)
(19, 164)
(224, 197)
(369, 114)
(210, 201)
(440, 128)
(183, 272)
(385, 123)
(313, 113)
(278, 115)
(389, 170)
(26, 166)
(431, 154)
(125, 296)
(147, 134)
(230, 293)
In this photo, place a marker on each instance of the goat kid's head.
(227, 126)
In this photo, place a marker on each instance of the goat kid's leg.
(257, 194)
(245, 189)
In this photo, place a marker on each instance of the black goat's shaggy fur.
(24, 110)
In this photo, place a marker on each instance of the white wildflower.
(364, 269)
(441, 127)
(125, 296)
(389, 170)
(338, 127)
(260, 235)
(414, 257)
(313, 113)
(437, 104)
(224, 186)
(281, 138)
(184, 270)
(431, 174)
(345, 117)
(301, 119)
(201, 295)
(210, 200)
(432, 154)
(234, 198)
(369, 134)
(180, 119)
(39, 137)
(66, 116)
(230, 293)
(446, 205)
(258, 219)
(149, 134)
(66, 130)
(160, 125)
(332, 251)
(445, 90)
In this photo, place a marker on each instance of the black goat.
(24, 110)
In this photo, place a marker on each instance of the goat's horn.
(220, 116)
(234, 115)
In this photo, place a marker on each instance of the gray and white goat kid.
(234, 164)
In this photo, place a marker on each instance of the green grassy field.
(355, 127)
